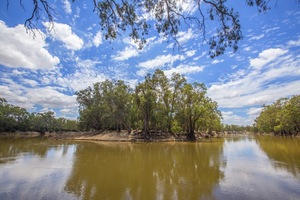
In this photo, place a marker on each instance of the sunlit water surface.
(232, 168)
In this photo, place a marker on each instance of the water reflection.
(146, 171)
(249, 174)
(231, 168)
(34, 169)
(283, 151)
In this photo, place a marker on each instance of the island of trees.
(157, 105)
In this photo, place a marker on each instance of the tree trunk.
(191, 134)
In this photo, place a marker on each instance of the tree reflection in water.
(283, 151)
(146, 171)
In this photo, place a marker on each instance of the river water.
(241, 167)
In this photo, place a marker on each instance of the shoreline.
(114, 136)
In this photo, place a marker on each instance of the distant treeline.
(280, 118)
(158, 104)
(14, 118)
(237, 128)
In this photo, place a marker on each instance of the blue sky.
(43, 73)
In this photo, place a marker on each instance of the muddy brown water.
(241, 167)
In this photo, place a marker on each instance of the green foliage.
(14, 118)
(167, 17)
(106, 105)
(281, 117)
(156, 104)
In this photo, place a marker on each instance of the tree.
(168, 17)
(281, 117)
(106, 105)
(191, 107)
(156, 105)
(145, 98)
(12, 117)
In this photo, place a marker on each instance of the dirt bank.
(122, 136)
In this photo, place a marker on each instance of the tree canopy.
(167, 17)
(281, 118)
(159, 104)
(14, 118)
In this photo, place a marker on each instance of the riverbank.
(122, 136)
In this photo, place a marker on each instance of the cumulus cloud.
(125, 54)
(28, 97)
(184, 69)
(86, 73)
(266, 57)
(160, 61)
(64, 33)
(231, 118)
(254, 88)
(50, 98)
(15, 43)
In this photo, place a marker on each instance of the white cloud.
(295, 43)
(187, 6)
(67, 6)
(257, 37)
(127, 53)
(64, 33)
(30, 82)
(271, 29)
(183, 37)
(198, 57)
(190, 53)
(183, 69)
(231, 118)
(46, 97)
(160, 61)
(216, 61)
(16, 72)
(97, 39)
(254, 111)
(266, 57)
(247, 49)
(50, 98)
(86, 74)
(15, 52)
(254, 88)
(183, 6)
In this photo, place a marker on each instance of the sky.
(43, 73)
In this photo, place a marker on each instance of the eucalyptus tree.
(168, 17)
(12, 117)
(163, 100)
(191, 106)
(106, 105)
(281, 117)
(211, 117)
(157, 97)
(145, 98)
(291, 115)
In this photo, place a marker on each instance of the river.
(243, 167)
